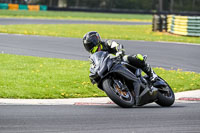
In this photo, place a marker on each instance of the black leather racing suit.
(115, 48)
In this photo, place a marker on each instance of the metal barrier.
(13, 6)
(43, 8)
(23, 7)
(33, 7)
(3, 6)
(183, 25)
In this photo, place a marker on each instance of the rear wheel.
(118, 94)
(165, 95)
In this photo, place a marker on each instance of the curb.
(71, 101)
(193, 95)
(82, 103)
(187, 97)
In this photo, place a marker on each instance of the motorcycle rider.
(93, 43)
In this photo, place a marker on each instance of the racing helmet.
(91, 40)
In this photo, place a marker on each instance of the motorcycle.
(124, 83)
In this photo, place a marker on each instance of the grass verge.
(35, 77)
(125, 32)
(76, 15)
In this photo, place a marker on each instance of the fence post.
(155, 23)
(160, 23)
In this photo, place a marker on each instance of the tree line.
(135, 5)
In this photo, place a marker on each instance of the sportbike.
(125, 85)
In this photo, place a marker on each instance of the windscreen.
(98, 57)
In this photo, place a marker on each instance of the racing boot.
(149, 71)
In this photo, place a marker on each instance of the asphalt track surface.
(160, 54)
(180, 118)
(12, 21)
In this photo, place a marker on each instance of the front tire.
(116, 95)
(166, 95)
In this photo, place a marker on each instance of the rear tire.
(165, 99)
(108, 86)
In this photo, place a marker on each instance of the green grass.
(125, 32)
(75, 15)
(35, 77)
(179, 80)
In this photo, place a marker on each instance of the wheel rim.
(122, 94)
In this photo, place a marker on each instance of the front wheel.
(118, 94)
(165, 95)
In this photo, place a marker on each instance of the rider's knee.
(125, 58)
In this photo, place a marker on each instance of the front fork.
(121, 88)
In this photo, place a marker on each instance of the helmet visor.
(89, 46)
(91, 43)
